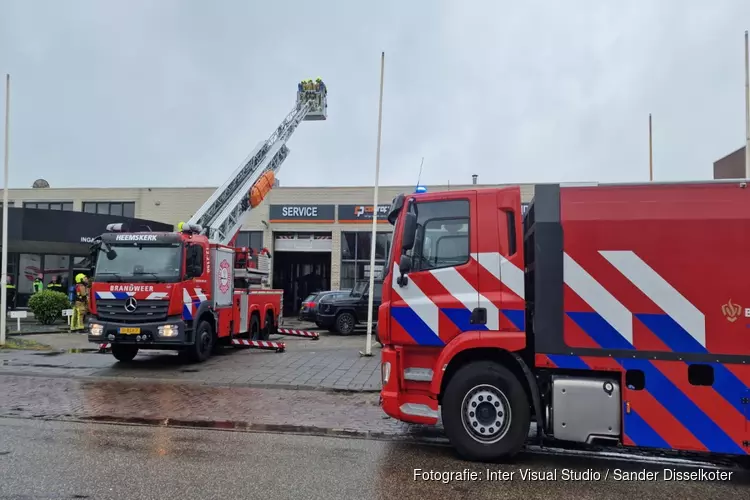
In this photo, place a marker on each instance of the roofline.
(730, 154)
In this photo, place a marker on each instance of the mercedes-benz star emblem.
(131, 304)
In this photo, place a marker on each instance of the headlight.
(385, 372)
(95, 329)
(168, 331)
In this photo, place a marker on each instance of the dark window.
(635, 380)
(364, 240)
(53, 205)
(701, 375)
(348, 245)
(117, 208)
(348, 275)
(442, 238)
(10, 204)
(250, 239)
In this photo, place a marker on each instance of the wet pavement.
(72, 460)
(333, 362)
(311, 412)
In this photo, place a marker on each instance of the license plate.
(129, 331)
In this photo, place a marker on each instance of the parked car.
(342, 313)
(309, 308)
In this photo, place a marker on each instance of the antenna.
(420, 173)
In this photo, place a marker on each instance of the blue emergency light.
(420, 189)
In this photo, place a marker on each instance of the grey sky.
(178, 92)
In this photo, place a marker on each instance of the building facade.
(319, 237)
(732, 166)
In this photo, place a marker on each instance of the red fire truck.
(609, 314)
(191, 290)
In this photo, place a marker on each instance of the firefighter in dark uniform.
(56, 284)
(10, 293)
(38, 284)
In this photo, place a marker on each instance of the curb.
(172, 381)
(242, 426)
(22, 334)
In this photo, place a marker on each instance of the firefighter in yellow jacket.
(80, 306)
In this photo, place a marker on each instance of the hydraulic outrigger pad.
(298, 333)
(265, 345)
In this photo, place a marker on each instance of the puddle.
(67, 351)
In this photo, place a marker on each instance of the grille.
(147, 310)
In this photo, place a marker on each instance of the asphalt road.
(46, 460)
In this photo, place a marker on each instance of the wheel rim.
(485, 413)
(345, 324)
(205, 342)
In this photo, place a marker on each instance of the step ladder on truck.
(596, 314)
(192, 290)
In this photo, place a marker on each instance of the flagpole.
(4, 276)
(368, 344)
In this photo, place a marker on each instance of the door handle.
(478, 316)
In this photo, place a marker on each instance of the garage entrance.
(301, 266)
(299, 274)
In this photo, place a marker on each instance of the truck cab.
(148, 288)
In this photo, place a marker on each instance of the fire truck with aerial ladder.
(193, 290)
(610, 314)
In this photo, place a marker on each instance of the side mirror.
(111, 254)
(404, 269)
(410, 231)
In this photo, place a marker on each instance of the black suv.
(341, 314)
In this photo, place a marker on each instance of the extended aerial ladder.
(221, 216)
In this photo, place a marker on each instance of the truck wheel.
(269, 327)
(124, 353)
(204, 343)
(255, 333)
(485, 412)
(345, 323)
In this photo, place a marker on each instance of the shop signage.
(362, 213)
(301, 213)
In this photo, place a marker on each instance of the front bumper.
(142, 334)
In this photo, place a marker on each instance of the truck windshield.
(143, 263)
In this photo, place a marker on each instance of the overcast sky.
(178, 92)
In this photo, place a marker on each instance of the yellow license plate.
(130, 331)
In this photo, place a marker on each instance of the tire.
(255, 333)
(345, 323)
(203, 347)
(498, 387)
(269, 327)
(319, 324)
(124, 353)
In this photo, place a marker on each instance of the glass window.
(348, 275)
(116, 208)
(10, 204)
(442, 238)
(256, 239)
(363, 245)
(26, 204)
(55, 206)
(348, 245)
(381, 246)
(30, 266)
(54, 266)
(144, 262)
(68, 206)
(128, 209)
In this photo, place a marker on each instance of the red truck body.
(616, 314)
(177, 291)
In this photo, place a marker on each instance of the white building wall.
(171, 205)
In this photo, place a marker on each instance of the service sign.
(302, 213)
(362, 213)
